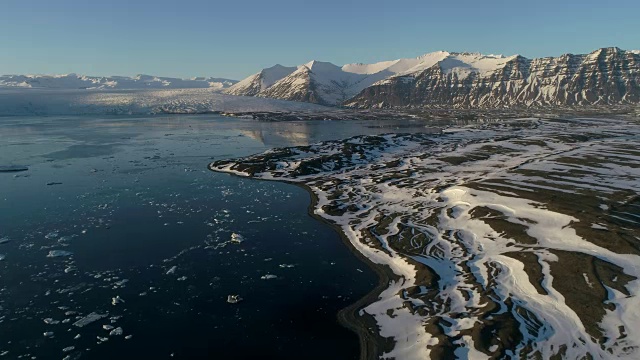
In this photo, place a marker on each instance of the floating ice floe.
(107, 327)
(116, 332)
(89, 319)
(268, 277)
(59, 253)
(48, 334)
(172, 270)
(116, 300)
(50, 321)
(4, 240)
(2, 257)
(68, 349)
(234, 299)
(237, 238)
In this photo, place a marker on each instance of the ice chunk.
(172, 270)
(237, 238)
(59, 253)
(116, 300)
(234, 299)
(89, 319)
(268, 277)
(116, 332)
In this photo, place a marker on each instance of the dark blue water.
(145, 222)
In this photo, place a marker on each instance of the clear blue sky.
(235, 38)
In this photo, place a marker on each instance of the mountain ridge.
(466, 80)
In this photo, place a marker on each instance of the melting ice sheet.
(516, 239)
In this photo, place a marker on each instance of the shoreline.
(348, 316)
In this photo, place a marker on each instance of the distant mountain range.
(458, 80)
(607, 76)
(74, 81)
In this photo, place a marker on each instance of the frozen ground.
(514, 239)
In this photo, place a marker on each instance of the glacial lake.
(115, 242)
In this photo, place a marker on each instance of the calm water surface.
(120, 217)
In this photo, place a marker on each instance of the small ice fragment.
(128, 337)
(172, 270)
(234, 299)
(51, 235)
(237, 238)
(48, 334)
(121, 282)
(50, 321)
(4, 240)
(116, 300)
(59, 253)
(107, 327)
(182, 278)
(77, 337)
(286, 265)
(69, 348)
(268, 277)
(116, 332)
(2, 257)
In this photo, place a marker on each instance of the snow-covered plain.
(16, 101)
(489, 232)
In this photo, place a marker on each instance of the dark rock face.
(605, 76)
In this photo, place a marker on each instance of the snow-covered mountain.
(605, 76)
(323, 82)
(255, 83)
(74, 81)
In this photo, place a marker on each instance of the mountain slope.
(459, 80)
(605, 76)
(255, 83)
(74, 81)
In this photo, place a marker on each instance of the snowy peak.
(322, 67)
(74, 81)
(463, 80)
(254, 84)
